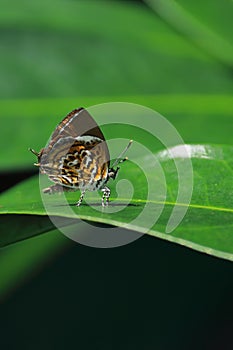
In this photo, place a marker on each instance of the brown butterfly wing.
(77, 123)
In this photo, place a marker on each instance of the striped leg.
(106, 194)
(80, 199)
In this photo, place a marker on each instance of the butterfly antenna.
(119, 158)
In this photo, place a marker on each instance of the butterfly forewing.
(77, 123)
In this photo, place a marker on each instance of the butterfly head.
(112, 173)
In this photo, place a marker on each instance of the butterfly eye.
(113, 173)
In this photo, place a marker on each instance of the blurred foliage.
(210, 34)
(67, 48)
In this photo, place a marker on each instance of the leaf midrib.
(195, 206)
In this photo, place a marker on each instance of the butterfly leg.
(106, 194)
(80, 199)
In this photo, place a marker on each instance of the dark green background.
(150, 294)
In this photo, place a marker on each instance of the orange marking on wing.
(105, 171)
(101, 172)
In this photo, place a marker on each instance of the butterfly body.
(77, 157)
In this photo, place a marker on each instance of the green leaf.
(20, 227)
(207, 226)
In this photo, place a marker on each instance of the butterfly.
(77, 157)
